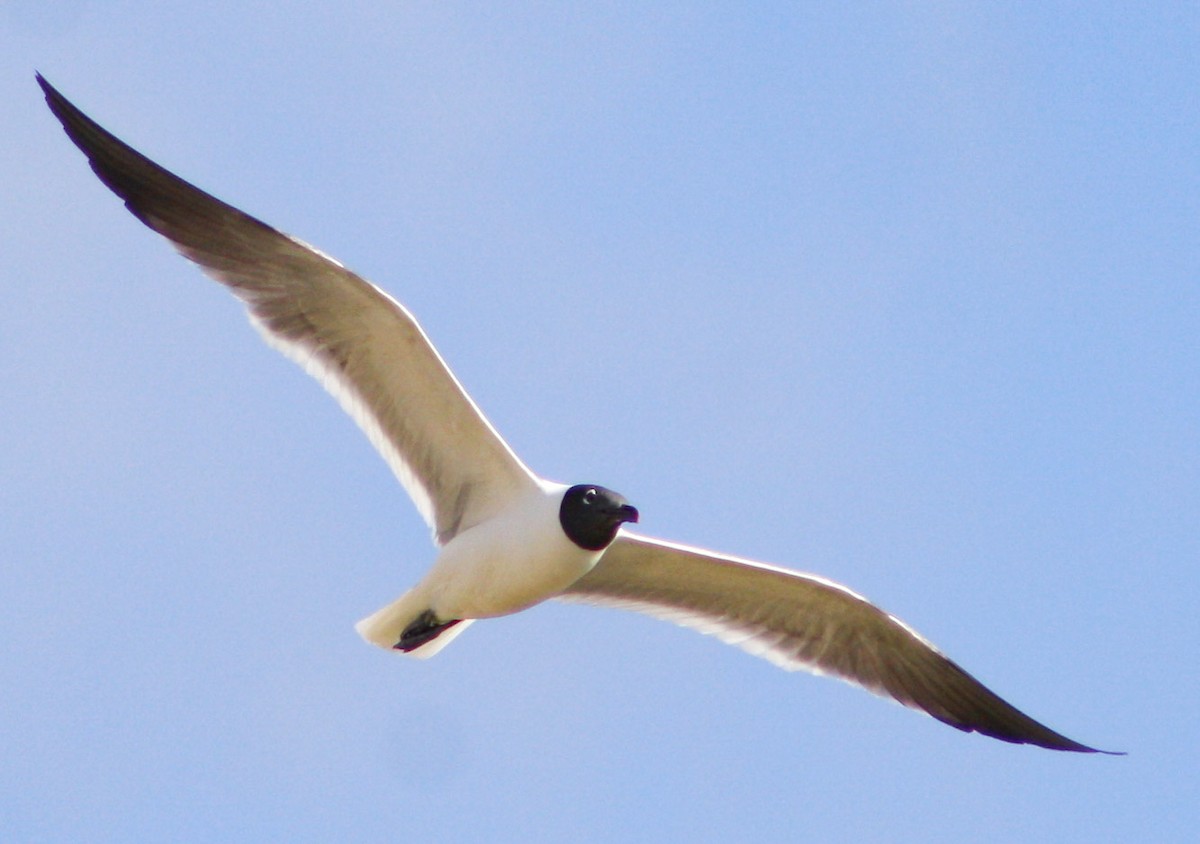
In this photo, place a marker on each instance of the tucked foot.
(425, 628)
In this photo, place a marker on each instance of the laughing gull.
(507, 538)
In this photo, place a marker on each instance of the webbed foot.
(424, 628)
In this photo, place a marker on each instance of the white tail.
(383, 627)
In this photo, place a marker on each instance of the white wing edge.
(755, 640)
(352, 402)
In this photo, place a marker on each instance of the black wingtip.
(62, 108)
(51, 93)
(1076, 747)
(1083, 748)
(1042, 737)
(74, 122)
(1035, 734)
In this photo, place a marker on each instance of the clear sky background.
(903, 294)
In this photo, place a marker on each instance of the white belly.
(508, 563)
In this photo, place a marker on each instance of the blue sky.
(904, 294)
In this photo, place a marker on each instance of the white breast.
(508, 563)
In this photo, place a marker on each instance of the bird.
(507, 538)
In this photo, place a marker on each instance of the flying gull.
(507, 538)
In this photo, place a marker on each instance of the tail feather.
(384, 626)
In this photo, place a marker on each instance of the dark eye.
(589, 497)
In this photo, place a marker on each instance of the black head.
(590, 515)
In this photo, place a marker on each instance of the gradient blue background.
(904, 294)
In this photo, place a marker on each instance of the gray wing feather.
(363, 346)
(800, 621)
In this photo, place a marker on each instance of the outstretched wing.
(799, 621)
(361, 344)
